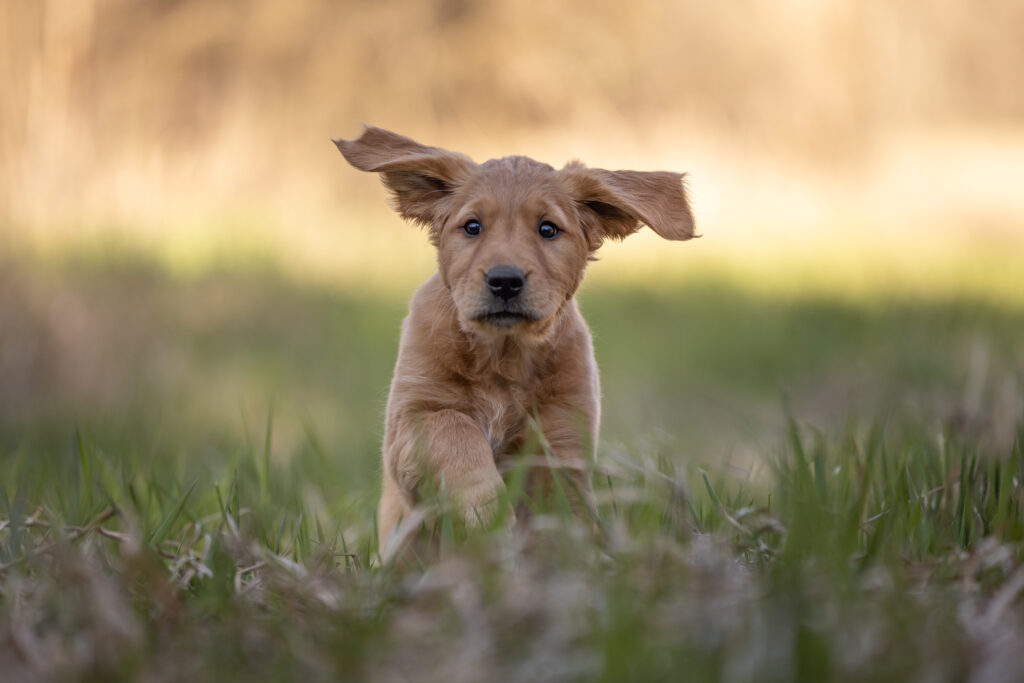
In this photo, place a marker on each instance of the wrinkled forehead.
(512, 185)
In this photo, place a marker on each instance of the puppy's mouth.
(503, 319)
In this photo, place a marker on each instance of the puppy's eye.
(548, 230)
(472, 227)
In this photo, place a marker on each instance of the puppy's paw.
(481, 500)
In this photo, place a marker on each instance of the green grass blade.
(164, 528)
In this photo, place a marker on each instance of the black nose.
(505, 281)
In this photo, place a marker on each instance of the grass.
(790, 489)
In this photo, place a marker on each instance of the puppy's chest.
(501, 410)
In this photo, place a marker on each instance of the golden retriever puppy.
(495, 360)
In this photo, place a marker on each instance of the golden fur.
(482, 373)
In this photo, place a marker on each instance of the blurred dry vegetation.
(189, 124)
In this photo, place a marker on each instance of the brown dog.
(494, 356)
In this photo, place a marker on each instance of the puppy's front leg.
(449, 448)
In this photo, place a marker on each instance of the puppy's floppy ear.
(614, 204)
(421, 178)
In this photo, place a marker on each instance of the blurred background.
(184, 252)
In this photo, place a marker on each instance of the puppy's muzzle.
(505, 282)
(508, 305)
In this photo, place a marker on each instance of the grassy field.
(793, 487)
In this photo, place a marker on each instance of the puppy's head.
(514, 235)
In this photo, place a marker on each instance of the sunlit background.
(875, 138)
(860, 151)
